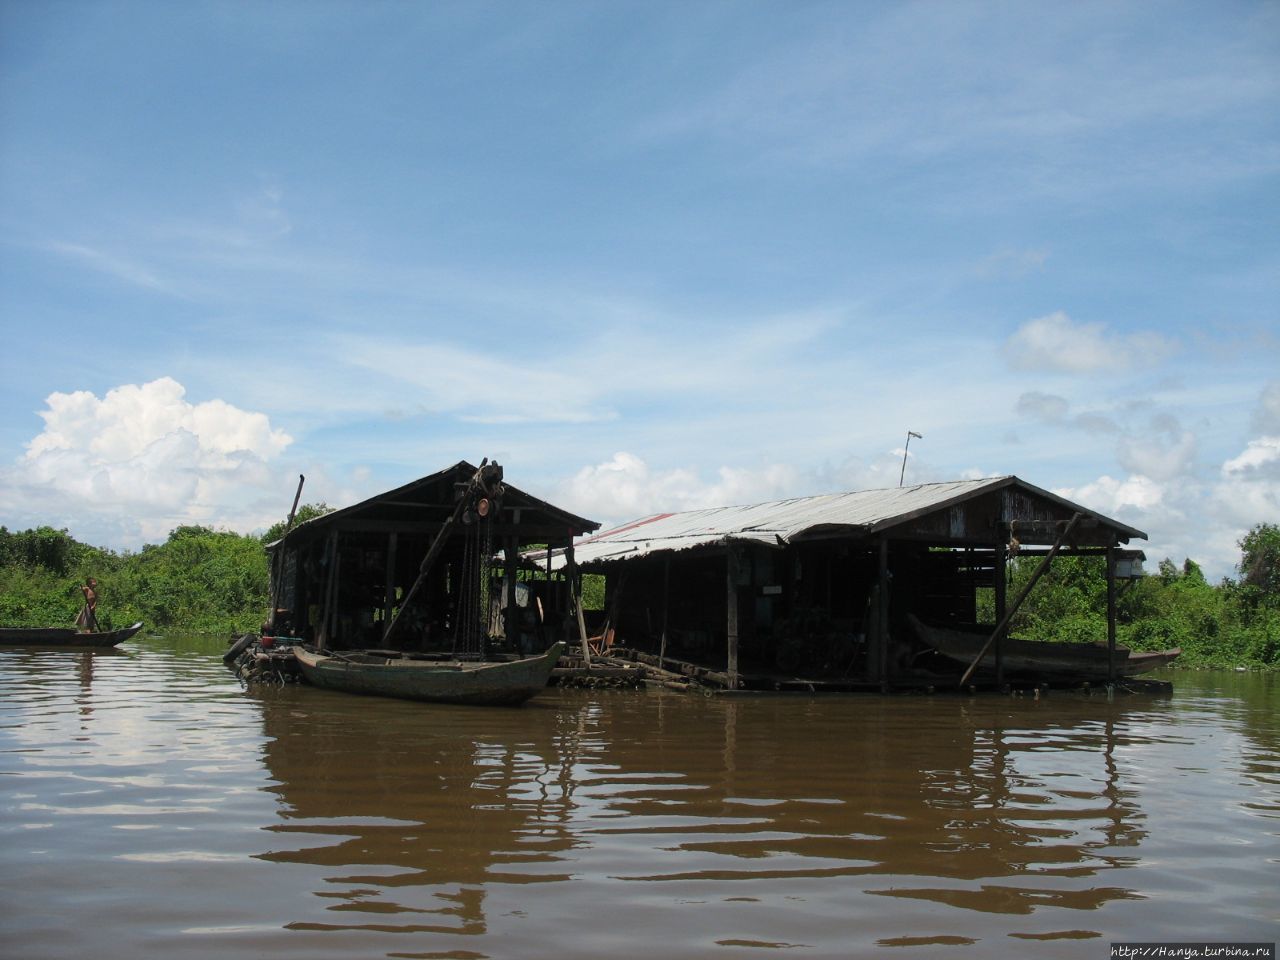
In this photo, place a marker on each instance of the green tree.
(308, 511)
(1260, 559)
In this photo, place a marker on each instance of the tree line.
(200, 579)
(207, 580)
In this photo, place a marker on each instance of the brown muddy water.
(151, 807)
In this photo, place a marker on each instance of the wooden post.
(328, 614)
(511, 616)
(389, 601)
(1026, 592)
(666, 605)
(277, 557)
(731, 620)
(337, 585)
(882, 615)
(575, 590)
(1002, 603)
(1111, 614)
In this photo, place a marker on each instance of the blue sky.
(649, 256)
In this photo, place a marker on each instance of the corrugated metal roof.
(772, 523)
(779, 522)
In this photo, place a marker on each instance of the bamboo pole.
(1026, 591)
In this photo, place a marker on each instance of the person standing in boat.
(87, 621)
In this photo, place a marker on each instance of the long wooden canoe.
(384, 674)
(1038, 659)
(64, 636)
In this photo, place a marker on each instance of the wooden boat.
(1037, 659)
(64, 636)
(387, 673)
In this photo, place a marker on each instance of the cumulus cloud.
(1112, 496)
(1159, 510)
(143, 459)
(1166, 494)
(1057, 344)
(1248, 488)
(1256, 458)
(626, 487)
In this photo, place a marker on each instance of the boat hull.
(64, 637)
(501, 683)
(1039, 660)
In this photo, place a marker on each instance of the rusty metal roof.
(776, 523)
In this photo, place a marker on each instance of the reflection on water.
(173, 813)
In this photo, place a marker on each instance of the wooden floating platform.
(625, 668)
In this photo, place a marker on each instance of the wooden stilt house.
(356, 578)
(824, 587)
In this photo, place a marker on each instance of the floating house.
(362, 578)
(825, 588)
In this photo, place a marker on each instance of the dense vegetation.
(202, 579)
(199, 579)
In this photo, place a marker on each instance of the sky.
(649, 256)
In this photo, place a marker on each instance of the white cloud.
(1259, 454)
(143, 459)
(1057, 344)
(625, 488)
(1248, 490)
(1112, 497)
(1241, 499)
